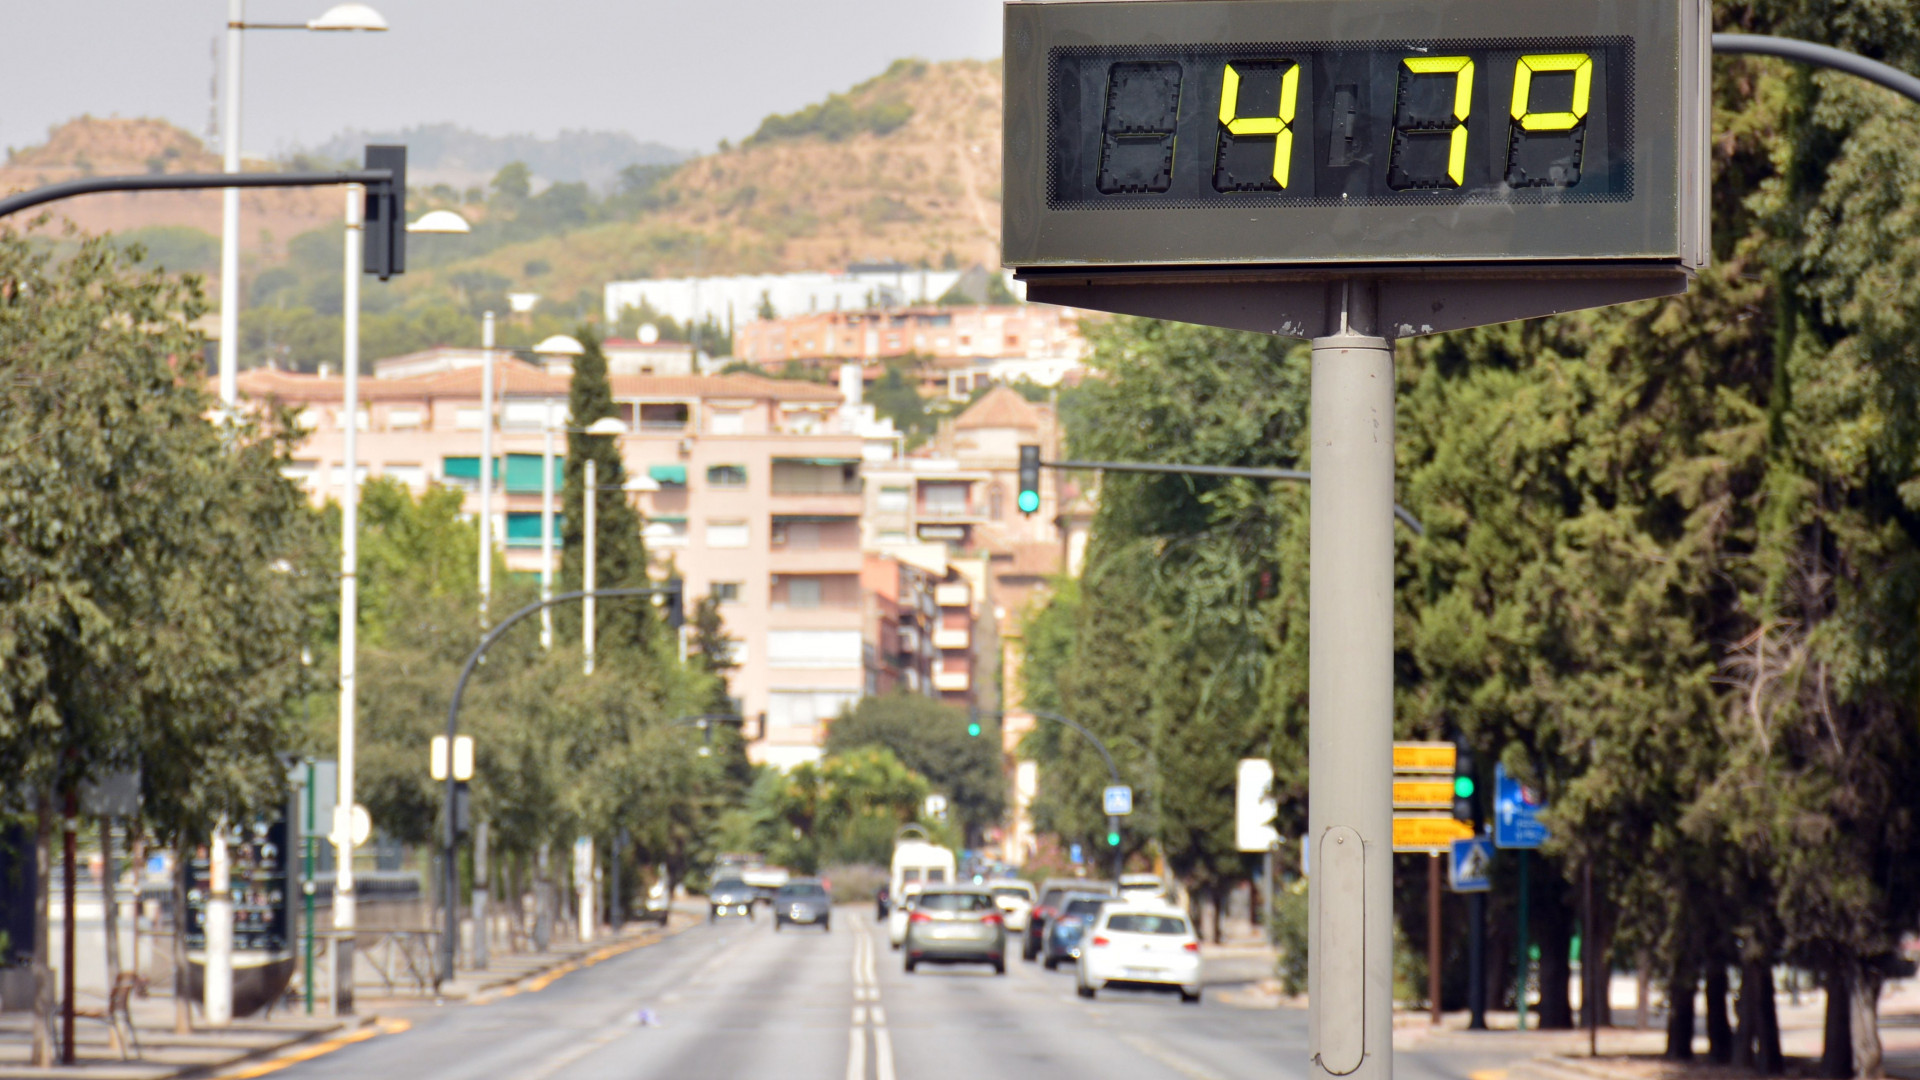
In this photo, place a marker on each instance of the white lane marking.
(856, 1054)
(1165, 1056)
(879, 1015)
(859, 1016)
(882, 1054)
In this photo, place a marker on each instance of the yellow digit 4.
(1581, 64)
(1280, 126)
(1461, 68)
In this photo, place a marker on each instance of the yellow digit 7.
(1279, 126)
(1581, 64)
(1461, 68)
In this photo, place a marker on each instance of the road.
(735, 1001)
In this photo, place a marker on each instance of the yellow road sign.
(1417, 793)
(1428, 832)
(1423, 757)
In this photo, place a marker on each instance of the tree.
(621, 549)
(931, 738)
(134, 525)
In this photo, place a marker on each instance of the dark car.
(803, 902)
(1061, 942)
(730, 896)
(1052, 891)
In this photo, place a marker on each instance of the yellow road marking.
(1490, 1074)
(319, 1049)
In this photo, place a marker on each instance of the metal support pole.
(546, 535)
(486, 465)
(588, 497)
(1592, 967)
(1350, 679)
(1433, 937)
(1477, 964)
(217, 985)
(1119, 859)
(1523, 962)
(482, 956)
(69, 931)
(306, 899)
(344, 915)
(584, 886)
(230, 214)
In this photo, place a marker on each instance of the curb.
(268, 1060)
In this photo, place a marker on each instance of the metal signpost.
(1352, 171)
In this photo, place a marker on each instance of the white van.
(917, 863)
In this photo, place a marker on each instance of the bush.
(855, 883)
(1290, 934)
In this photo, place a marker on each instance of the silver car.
(951, 925)
(803, 901)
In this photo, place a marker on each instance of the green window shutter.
(461, 468)
(523, 472)
(523, 529)
(668, 474)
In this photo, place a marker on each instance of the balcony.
(952, 681)
(952, 638)
(784, 559)
(953, 594)
(937, 511)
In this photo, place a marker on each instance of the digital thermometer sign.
(1302, 133)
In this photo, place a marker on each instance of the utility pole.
(486, 465)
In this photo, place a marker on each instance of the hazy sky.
(686, 74)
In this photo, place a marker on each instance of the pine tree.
(621, 547)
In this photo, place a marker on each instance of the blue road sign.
(1516, 813)
(1471, 868)
(1118, 800)
(1074, 853)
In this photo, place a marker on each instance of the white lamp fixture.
(607, 425)
(641, 483)
(444, 222)
(560, 345)
(349, 17)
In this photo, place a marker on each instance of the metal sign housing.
(1205, 159)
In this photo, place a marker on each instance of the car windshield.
(1084, 906)
(1147, 924)
(729, 885)
(808, 891)
(955, 901)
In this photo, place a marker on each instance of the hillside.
(843, 181)
(460, 158)
(91, 146)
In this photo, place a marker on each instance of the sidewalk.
(209, 1052)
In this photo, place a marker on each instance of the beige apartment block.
(756, 498)
(967, 346)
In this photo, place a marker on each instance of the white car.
(1143, 887)
(902, 911)
(1015, 899)
(1140, 946)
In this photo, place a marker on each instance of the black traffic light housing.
(385, 221)
(675, 601)
(1029, 500)
(1466, 784)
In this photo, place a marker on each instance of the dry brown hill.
(90, 146)
(828, 194)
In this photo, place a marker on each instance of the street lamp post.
(337, 18)
(486, 464)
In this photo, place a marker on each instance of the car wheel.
(713, 914)
(1084, 991)
(826, 927)
(911, 964)
(999, 965)
(1053, 963)
(776, 924)
(1190, 997)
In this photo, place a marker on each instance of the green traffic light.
(1113, 839)
(1463, 787)
(974, 730)
(1029, 501)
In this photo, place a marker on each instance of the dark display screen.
(1372, 123)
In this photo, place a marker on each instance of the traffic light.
(1466, 802)
(675, 601)
(973, 728)
(385, 223)
(1113, 838)
(1029, 500)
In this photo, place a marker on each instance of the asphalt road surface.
(734, 1000)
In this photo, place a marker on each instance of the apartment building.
(754, 490)
(962, 346)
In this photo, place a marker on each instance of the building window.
(807, 708)
(725, 592)
(727, 422)
(468, 419)
(727, 534)
(666, 532)
(836, 649)
(727, 476)
(997, 501)
(893, 536)
(531, 415)
(892, 500)
(802, 592)
(403, 419)
(664, 417)
(412, 476)
(300, 470)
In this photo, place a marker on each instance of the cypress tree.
(621, 547)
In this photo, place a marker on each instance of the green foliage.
(844, 809)
(621, 550)
(835, 119)
(931, 738)
(158, 572)
(180, 248)
(895, 397)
